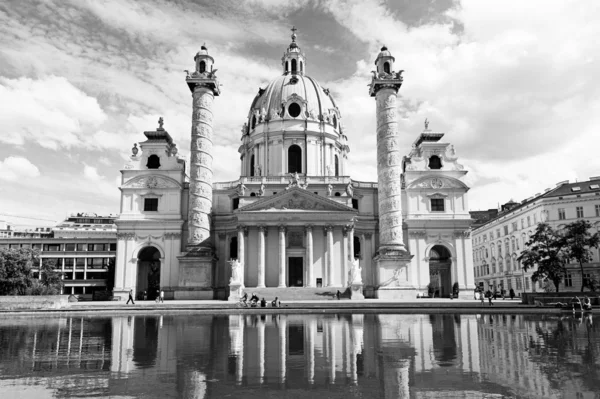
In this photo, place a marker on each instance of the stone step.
(296, 293)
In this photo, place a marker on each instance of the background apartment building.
(81, 247)
(499, 236)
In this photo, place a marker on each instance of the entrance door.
(295, 272)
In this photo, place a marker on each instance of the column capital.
(327, 228)
(308, 227)
(243, 229)
(263, 229)
(282, 228)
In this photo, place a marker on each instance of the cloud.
(49, 111)
(91, 173)
(15, 168)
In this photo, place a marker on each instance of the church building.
(294, 220)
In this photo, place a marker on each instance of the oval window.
(294, 110)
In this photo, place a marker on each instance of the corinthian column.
(241, 233)
(261, 256)
(309, 257)
(281, 256)
(329, 232)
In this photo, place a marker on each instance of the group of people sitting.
(254, 301)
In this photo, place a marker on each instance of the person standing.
(512, 294)
(130, 298)
(162, 296)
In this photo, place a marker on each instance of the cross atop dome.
(293, 60)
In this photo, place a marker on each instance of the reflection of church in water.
(294, 218)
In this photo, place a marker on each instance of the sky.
(512, 84)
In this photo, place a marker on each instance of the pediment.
(436, 182)
(296, 199)
(151, 181)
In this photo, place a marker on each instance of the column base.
(397, 293)
(282, 286)
(356, 291)
(121, 294)
(393, 267)
(195, 274)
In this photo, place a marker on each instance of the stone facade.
(294, 218)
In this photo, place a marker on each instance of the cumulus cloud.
(14, 168)
(49, 111)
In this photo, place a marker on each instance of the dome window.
(253, 121)
(202, 66)
(287, 67)
(435, 162)
(294, 159)
(386, 67)
(252, 165)
(294, 110)
(294, 66)
(153, 162)
(301, 66)
(334, 121)
(337, 166)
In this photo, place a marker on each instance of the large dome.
(277, 101)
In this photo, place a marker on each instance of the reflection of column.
(261, 351)
(236, 333)
(282, 346)
(261, 256)
(312, 328)
(122, 345)
(331, 328)
(241, 250)
(309, 257)
(329, 232)
(281, 256)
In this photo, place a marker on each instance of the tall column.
(204, 87)
(282, 347)
(241, 232)
(309, 257)
(384, 87)
(262, 231)
(281, 256)
(329, 232)
(351, 242)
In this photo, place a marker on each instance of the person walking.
(512, 294)
(130, 298)
(490, 297)
(481, 297)
(162, 296)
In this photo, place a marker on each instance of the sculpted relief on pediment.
(436, 183)
(296, 201)
(151, 182)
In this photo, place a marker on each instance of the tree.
(579, 242)
(15, 270)
(546, 250)
(16, 277)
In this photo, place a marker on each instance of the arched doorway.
(440, 277)
(148, 275)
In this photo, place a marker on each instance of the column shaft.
(241, 251)
(329, 230)
(389, 169)
(200, 193)
(281, 256)
(261, 256)
(309, 257)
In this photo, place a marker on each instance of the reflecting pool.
(300, 356)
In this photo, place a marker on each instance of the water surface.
(300, 356)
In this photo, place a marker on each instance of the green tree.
(579, 242)
(546, 250)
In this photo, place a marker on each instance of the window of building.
(500, 265)
(561, 214)
(528, 221)
(153, 162)
(535, 218)
(337, 194)
(356, 247)
(253, 194)
(150, 204)
(497, 233)
(202, 67)
(253, 122)
(294, 110)
(586, 279)
(69, 247)
(233, 248)
(337, 165)
(519, 283)
(437, 205)
(514, 226)
(252, 165)
(51, 247)
(499, 250)
(505, 230)
(79, 263)
(294, 159)
(568, 280)
(597, 210)
(235, 203)
(355, 203)
(294, 65)
(579, 210)
(512, 240)
(69, 263)
(386, 67)
(526, 284)
(435, 162)
(113, 247)
(493, 266)
(522, 223)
